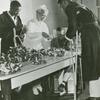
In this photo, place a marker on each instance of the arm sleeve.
(45, 28)
(1, 27)
(72, 23)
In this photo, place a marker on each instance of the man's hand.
(24, 29)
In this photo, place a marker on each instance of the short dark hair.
(15, 3)
(60, 1)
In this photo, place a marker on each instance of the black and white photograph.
(49, 49)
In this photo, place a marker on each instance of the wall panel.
(56, 17)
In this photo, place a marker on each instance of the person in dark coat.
(82, 19)
(10, 27)
(59, 41)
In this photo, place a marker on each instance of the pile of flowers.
(36, 57)
(12, 61)
(54, 52)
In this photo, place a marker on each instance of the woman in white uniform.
(36, 30)
(37, 37)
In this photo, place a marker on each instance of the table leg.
(6, 89)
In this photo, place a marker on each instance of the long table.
(30, 72)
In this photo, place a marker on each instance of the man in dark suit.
(82, 19)
(10, 27)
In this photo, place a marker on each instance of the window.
(97, 2)
(98, 8)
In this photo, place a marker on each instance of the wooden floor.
(81, 96)
(28, 95)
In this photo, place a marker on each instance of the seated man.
(65, 75)
(59, 40)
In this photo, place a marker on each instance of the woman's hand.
(45, 35)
